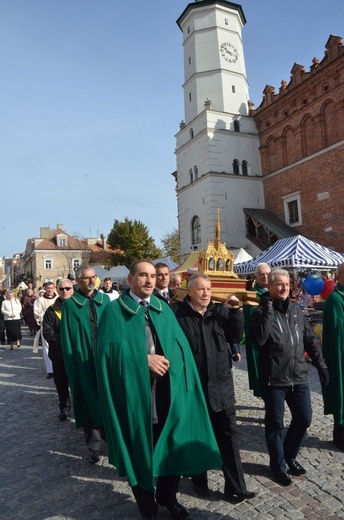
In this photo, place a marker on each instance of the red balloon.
(328, 288)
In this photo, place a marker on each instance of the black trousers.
(2, 332)
(226, 434)
(167, 485)
(225, 430)
(166, 489)
(61, 383)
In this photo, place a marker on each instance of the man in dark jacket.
(51, 334)
(280, 330)
(211, 329)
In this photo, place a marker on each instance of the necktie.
(149, 336)
(166, 296)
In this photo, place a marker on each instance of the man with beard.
(153, 408)
(79, 324)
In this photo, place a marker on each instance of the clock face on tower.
(229, 52)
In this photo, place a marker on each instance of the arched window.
(211, 264)
(195, 230)
(236, 126)
(191, 175)
(75, 263)
(195, 173)
(219, 265)
(244, 168)
(236, 167)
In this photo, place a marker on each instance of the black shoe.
(50, 375)
(176, 510)
(236, 498)
(63, 416)
(202, 491)
(94, 456)
(283, 478)
(296, 469)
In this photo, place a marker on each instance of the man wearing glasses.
(282, 334)
(79, 322)
(51, 333)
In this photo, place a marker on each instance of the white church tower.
(218, 161)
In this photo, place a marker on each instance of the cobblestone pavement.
(45, 474)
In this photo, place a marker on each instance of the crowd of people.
(151, 374)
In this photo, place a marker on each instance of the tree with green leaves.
(171, 245)
(130, 241)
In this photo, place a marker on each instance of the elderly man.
(51, 333)
(282, 334)
(154, 411)
(162, 289)
(176, 281)
(333, 351)
(210, 330)
(260, 287)
(39, 307)
(79, 324)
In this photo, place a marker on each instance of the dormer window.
(61, 240)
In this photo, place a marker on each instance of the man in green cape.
(261, 286)
(153, 408)
(333, 351)
(79, 321)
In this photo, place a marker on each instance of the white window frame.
(292, 197)
(47, 261)
(76, 262)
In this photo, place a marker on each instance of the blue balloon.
(314, 284)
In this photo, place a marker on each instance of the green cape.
(186, 444)
(333, 351)
(78, 353)
(252, 350)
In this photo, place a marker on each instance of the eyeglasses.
(88, 277)
(65, 288)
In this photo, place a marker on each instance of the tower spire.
(217, 230)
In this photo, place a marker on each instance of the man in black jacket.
(211, 330)
(282, 334)
(51, 333)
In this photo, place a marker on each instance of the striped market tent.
(293, 253)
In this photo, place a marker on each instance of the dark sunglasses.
(65, 288)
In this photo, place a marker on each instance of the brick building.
(301, 136)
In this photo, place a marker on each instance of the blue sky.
(91, 99)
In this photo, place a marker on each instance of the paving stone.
(45, 474)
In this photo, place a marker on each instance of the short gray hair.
(81, 268)
(196, 276)
(277, 272)
(258, 266)
(64, 280)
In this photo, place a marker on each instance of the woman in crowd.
(11, 309)
(27, 304)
